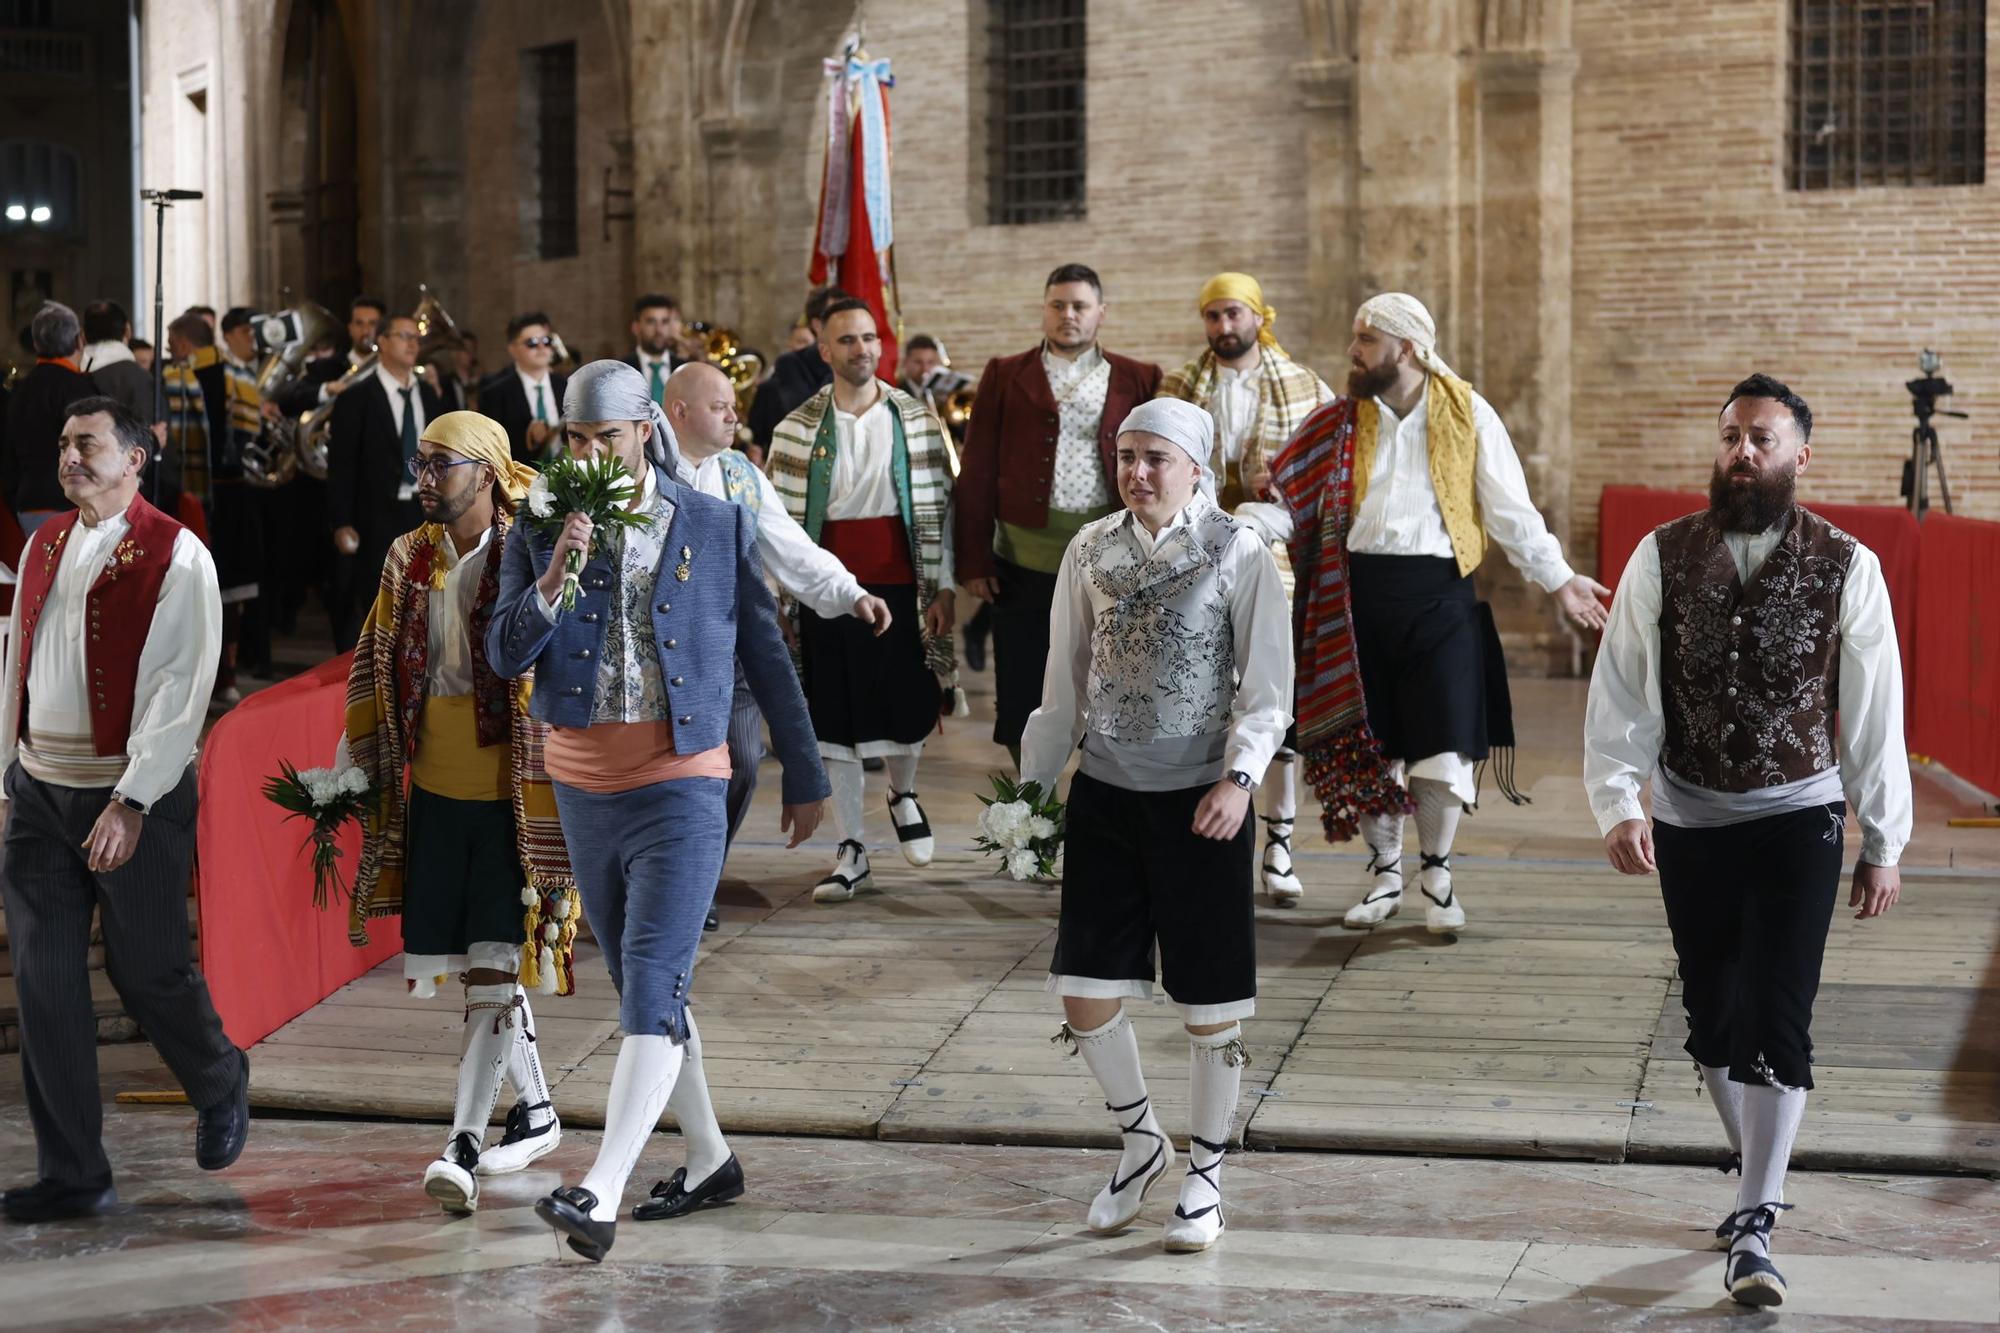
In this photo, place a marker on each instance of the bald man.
(700, 404)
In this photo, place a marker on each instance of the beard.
(1370, 381)
(446, 509)
(1229, 346)
(1753, 507)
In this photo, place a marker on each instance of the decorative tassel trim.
(1352, 781)
(548, 951)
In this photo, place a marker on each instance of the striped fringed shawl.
(1314, 478)
(385, 693)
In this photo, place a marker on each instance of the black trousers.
(1422, 656)
(1749, 905)
(49, 892)
(1020, 646)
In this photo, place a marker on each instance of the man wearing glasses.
(526, 397)
(478, 826)
(371, 498)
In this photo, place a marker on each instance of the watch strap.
(130, 804)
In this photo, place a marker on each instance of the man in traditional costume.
(111, 653)
(1258, 396)
(1388, 497)
(862, 467)
(635, 682)
(700, 407)
(1039, 464)
(1750, 669)
(477, 837)
(1170, 659)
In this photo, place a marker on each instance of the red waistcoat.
(120, 613)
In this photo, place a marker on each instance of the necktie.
(409, 427)
(659, 382)
(541, 405)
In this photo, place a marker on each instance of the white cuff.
(1612, 816)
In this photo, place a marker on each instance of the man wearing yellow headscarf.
(473, 857)
(1258, 396)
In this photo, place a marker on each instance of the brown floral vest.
(1750, 675)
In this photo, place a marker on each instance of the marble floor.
(323, 1225)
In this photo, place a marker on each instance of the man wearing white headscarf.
(1388, 497)
(1170, 660)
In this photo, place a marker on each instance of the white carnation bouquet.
(598, 488)
(1022, 827)
(328, 798)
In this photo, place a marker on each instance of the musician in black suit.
(656, 332)
(371, 498)
(526, 397)
(320, 376)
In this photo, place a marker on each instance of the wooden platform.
(1550, 1028)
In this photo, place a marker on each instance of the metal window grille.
(555, 149)
(1035, 127)
(1887, 93)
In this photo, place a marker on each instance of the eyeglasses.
(538, 342)
(435, 465)
(410, 334)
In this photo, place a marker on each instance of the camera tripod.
(1925, 451)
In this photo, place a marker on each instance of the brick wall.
(1694, 265)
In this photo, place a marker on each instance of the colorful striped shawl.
(1314, 479)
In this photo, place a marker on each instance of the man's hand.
(986, 590)
(538, 434)
(333, 388)
(270, 409)
(1630, 848)
(1578, 600)
(114, 837)
(873, 611)
(1221, 812)
(1876, 889)
(755, 453)
(940, 616)
(346, 540)
(801, 820)
(575, 536)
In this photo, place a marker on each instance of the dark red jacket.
(1010, 449)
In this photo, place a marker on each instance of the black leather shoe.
(53, 1201)
(568, 1211)
(671, 1198)
(221, 1130)
(711, 923)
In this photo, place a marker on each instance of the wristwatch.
(1240, 778)
(122, 799)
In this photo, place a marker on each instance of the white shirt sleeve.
(176, 674)
(1874, 758)
(1624, 720)
(1271, 522)
(1509, 514)
(802, 567)
(1056, 726)
(10, 702)
(1260, 619)
(947, 553)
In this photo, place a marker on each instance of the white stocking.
(846, 778)
(1112, 1052)
(1727, 1098)
(641, 1082)
(1771, 1119)
(706, 1148)
(1281, 785)
(489, 1032)
(524, 1065)
(1215, 1077)
(902, 771)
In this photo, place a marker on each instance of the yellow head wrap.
(482, 439)
(1242, 287)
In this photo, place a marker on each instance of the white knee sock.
(1727, 1098)
(524, 1065)
(902, 771)
(1771, 1119)
(489, 1032)
(1437, 823)
(706, 1148)
(1384, 836)
(1215, 1077)
(846, 777)
(1281, 785)
(641, 1082)
(1112, 1052)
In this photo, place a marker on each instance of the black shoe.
(975, 652)
(568, 1211)
(221, 1130)
(53, 1201)
(671, 1198)
(711, 923)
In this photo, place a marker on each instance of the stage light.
(41, 213)
(16, 213)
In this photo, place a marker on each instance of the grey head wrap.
(613, 391)
(1186, 425)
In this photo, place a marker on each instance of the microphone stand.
(160, 203)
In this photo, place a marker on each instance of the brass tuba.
(273, 459)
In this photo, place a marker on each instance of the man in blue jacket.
(636, 683)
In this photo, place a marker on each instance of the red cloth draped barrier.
(268, 953)
(1625, 514)
(1957, 693)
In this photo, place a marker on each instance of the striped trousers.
(49, 891)
(746, 751)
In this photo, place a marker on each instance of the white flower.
(1041, 827)
(540, 502)
(1005, 822)
(353, 781)
(1023, 864)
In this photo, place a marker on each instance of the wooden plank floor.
(1550, 1028)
